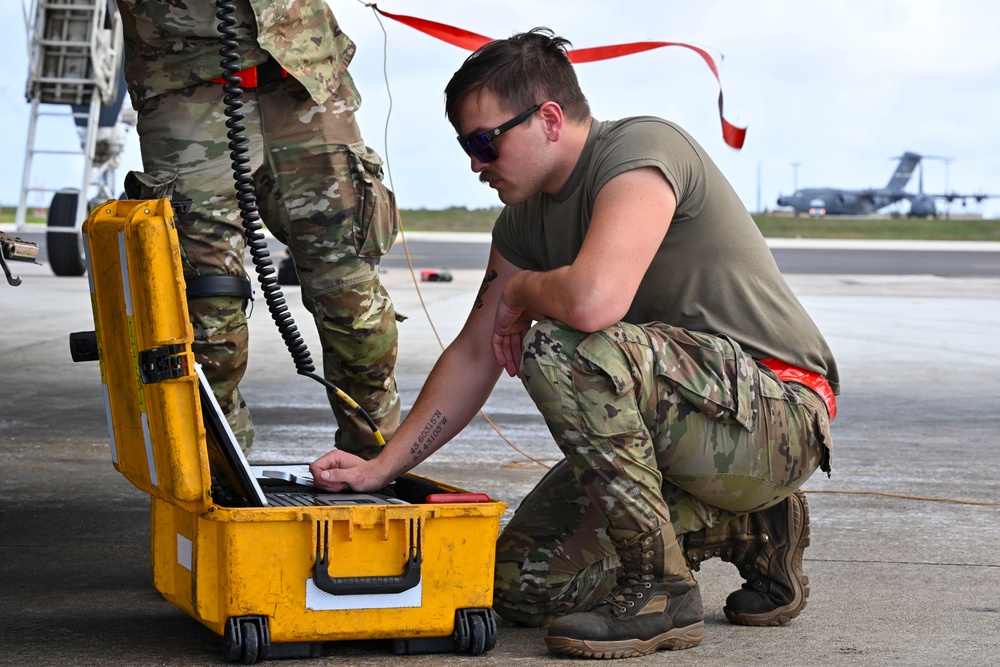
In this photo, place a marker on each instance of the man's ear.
(552, 119)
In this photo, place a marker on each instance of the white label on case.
(184, 552)
(319, 600)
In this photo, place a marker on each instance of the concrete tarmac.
(904, 567)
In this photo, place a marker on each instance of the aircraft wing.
(977, 197)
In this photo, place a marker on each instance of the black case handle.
(367, 585)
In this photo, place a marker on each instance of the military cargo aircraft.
(838, 201)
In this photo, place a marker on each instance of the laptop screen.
(236, 483)
(226, 461)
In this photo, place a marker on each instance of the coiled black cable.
(252, 226)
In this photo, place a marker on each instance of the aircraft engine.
(922, 206)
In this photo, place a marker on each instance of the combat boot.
(767, 548)
(655, 605)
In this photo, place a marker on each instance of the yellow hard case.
(251, 574)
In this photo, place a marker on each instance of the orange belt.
(249, 77)
(815, 381)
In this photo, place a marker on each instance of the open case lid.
(144, 341)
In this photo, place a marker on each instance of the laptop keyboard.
(329, 499)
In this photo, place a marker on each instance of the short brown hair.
(527, 69)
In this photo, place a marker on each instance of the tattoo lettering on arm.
(490, 277)
(427, 436)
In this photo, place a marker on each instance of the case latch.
(161, 363)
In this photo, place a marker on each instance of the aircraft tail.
(904, 170)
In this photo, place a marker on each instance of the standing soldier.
(318, 188)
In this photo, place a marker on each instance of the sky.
(829, 92)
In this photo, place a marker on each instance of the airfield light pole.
(795, 176)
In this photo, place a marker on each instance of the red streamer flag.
(733, 136)
(463, 39)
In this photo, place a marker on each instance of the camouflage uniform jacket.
(173, 44)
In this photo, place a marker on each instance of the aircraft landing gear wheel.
(65, 249)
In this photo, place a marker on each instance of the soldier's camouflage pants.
(319, 191)
(660, 427)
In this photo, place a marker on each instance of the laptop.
(237, 483)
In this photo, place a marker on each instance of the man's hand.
(339, 471)
(511, 323)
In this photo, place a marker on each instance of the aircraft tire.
(65, 250)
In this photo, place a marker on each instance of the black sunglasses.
(479, 145)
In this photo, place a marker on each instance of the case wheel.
(250, 644)
(247, 640)
(65, 250)
(475, 631)
(491, 631)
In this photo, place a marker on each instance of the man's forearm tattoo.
(490, 277)
(430, 433)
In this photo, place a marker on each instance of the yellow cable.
(906, 497)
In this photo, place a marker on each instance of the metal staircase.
(74, 72)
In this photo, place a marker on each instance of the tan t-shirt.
(713, 271)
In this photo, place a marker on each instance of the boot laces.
(626, 593)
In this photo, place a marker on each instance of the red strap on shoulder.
(733, 136)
